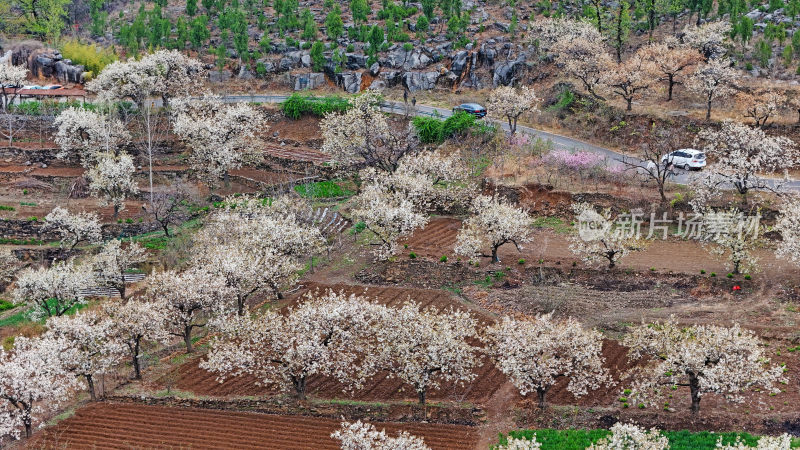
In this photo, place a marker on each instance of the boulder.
(374, 69)
(418, 81)
(391, 77)
(459, 62)
(68, 73)
(349, 81)
(505, 73)
(355, 61)
(307, 81)
(245, 74)
(218, 76)
(487, 54)
(305, 60)
(377, 85)
(399, 58)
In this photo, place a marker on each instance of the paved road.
(558, 141)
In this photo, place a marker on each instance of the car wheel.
(686, 167)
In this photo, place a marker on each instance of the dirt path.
(499, 414)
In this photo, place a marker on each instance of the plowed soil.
(438, 238)
(124, 426)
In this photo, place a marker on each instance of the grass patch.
(678, 440)
(7, 208)
(322, 189)
(5, 305)
(297, 105)
(553, 223)
(8, 241)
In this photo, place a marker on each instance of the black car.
(471, 108)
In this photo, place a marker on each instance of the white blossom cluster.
(364, 436)
(513, 443)
(598, 241)
(631, 437)
(112, 177)
(88, 133)
(52, 291)
(788, 224)
(114, 260)
(509, 103)
(782, 442)
(221, 136)
(706, 358)
(493, 223)
(73, 228)
(535, 353)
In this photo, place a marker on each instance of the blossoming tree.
(114, 261)
(87, 134)
(52, 291)
(713, 80)
(32, 374)
(535, 353)
(493, 223)
(598, 240)
(73, 228)
(704, 358)
(362, 436)
(328, 334)
(788, 224)
(509, 103)
(135, 323)
(112, 178)
(91, 347)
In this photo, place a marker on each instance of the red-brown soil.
(439, 237)
(114, 425)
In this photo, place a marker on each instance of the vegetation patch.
(297, 105)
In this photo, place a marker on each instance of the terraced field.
(124, 426)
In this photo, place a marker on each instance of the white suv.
(685, 158)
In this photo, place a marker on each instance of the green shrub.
(412, 255)
(521, 261)
(358, 228)
(702, 271)
(443, 258)
(6, 208)
(297, 105)
(748, 277)
(408, 46)
(429, 129)
(90, 56)
(729, 275)
(713, 274)
(457, 124)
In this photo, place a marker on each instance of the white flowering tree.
(9, 266)
(536, 353)
(425, 347)
(584, 58)
(782, 442)
(430, 180)
(713, 80)
(115, 260)
(761, 105)
(514, 443)
(73, 228)
(788, 224)
(10, 76)
(90, 345)
(32, 375)
(187, 300)
(708, 38)
(631, 79)
(136, 323)
(221, 136)
(361, 137)
(52, 291)
(87, 134)
(671, 62)
(112, 178)
(329, 334)
(254, 245)
(170, 206)
(732, 235)
(598, 240)
(388, 215)
(628, 436)
(493, 223)
(506, 102)
(704, 358)
(743, 155)
(364, 436)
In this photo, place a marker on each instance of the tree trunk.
(708, 110)
(299, 387)
(694, 388)
(165, 227)
(540, 393)
(122, 287)
(187, 339)
(28, 425)
(495, 259)
(671, 80)
(630, 103)
(240, 305)
(421, 397)
(116, 211)
(137, 370)
(90, 382)
(610, 257)
(511, 127)
(736, 265)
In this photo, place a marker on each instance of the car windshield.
(700, 156)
